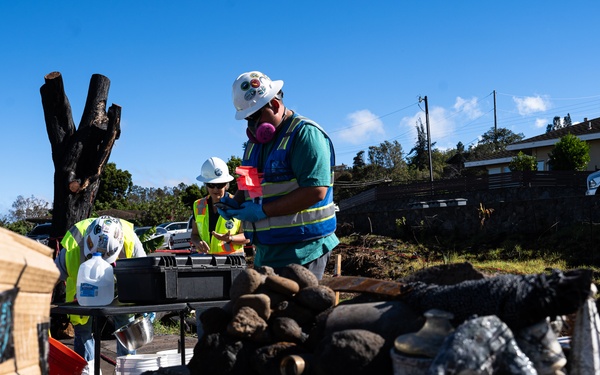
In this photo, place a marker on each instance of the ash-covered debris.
(518, 300)
(274, 317)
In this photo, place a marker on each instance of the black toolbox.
(177, 278)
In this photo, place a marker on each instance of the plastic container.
(95, 282)
(63, 360)
(136, 364)
(164, 278)
(172, 357)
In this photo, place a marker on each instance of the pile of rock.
(287, 323)
(269, 316)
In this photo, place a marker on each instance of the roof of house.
(495, 158)
(586, 130)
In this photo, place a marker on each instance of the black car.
(40, 233)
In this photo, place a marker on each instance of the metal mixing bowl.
(136, 333)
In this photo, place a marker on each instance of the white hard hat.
(251, 91)
(214, 170)
(104, 235)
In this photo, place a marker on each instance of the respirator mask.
(260, 132)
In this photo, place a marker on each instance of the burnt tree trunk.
(79, 155)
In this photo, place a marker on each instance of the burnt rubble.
(272, 318)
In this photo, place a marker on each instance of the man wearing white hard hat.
(115, 239)
(211, 233)
(293, 220)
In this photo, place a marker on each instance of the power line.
(371, 120)
(530, 96)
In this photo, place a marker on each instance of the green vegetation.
(523, 162)
(570, 154)
(160, 328)
(151, 244)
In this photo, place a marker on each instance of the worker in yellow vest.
(112, 237)
(211, 233)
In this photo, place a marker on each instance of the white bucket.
(135, 364)
(172, 357)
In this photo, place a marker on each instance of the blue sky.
(355, 67)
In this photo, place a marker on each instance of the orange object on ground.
(63, 360)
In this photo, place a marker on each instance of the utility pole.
(428, 136)
(495, 124)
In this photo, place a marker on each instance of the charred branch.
(79, 155)
(57, 114)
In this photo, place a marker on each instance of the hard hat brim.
(113, 257)
(216, 180)
(261, 102)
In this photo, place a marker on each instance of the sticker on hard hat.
(90, 243)
(102, 242)
(250, 94)
(245, 86)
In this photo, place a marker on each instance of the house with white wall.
(541, 146)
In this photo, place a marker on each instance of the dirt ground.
(375, 257)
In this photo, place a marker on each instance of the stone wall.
(525, 211)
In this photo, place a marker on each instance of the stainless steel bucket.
(135, 334)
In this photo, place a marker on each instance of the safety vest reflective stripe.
(278, 188)
(286, 138)
(248, 150)
(309, 216)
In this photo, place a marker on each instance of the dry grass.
(390, 259)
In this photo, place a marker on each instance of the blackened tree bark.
(79, 155)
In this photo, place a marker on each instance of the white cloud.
(531, 104)
(439, 124)
(541, 123)
(469, 107)
(364, 126)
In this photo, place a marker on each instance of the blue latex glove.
(250, 211)
(150, 316)
(230, 202)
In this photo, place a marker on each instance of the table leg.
(182, 335)
(97, 334)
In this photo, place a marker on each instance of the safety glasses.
(258, 114)
(215, 186)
